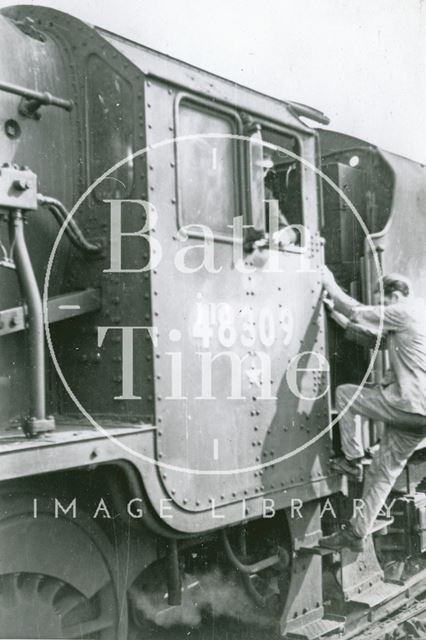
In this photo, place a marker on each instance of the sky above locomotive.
(362, 63)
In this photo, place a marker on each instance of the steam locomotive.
(166, 364)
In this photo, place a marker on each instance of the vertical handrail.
(32, 299)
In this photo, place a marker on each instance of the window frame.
(287, 131)
(227, 113)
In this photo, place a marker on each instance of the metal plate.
(223, 434)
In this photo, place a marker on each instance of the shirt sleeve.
(394, 318)
(363, 335)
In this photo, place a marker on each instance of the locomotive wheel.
(36, 605)
(57, 577)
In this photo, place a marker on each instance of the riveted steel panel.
(47, 147)
(402, 238)
(196, 435)
(105, 126)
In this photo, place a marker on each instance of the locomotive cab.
(165, 397)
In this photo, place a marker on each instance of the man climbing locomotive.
(399, 401)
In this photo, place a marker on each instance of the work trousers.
(396, 446)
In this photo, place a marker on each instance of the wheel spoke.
(49, 589)
(28, 585)
(9, 589)
(91, 626)
(68, 603)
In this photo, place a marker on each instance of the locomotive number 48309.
(228, 325)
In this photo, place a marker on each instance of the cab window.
(276, 183)
(207, 168)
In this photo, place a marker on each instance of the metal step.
(317, 629)
(381, 525)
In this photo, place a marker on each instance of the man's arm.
(364, 336)
(343, 303)
(339, 318)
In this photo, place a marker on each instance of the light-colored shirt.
(404, 327)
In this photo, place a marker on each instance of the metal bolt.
(21, 184)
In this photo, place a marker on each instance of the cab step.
(381, 525)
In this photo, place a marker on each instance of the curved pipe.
(72, 229)
(247, 568)
(32, 299)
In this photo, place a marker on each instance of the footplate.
(317, 629)
(360, 572)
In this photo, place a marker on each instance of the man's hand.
(328, 280)
(328, 302)
(343, 304)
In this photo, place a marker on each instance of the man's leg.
(350, 430)
(395, 449)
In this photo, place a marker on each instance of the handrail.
(33, 100)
